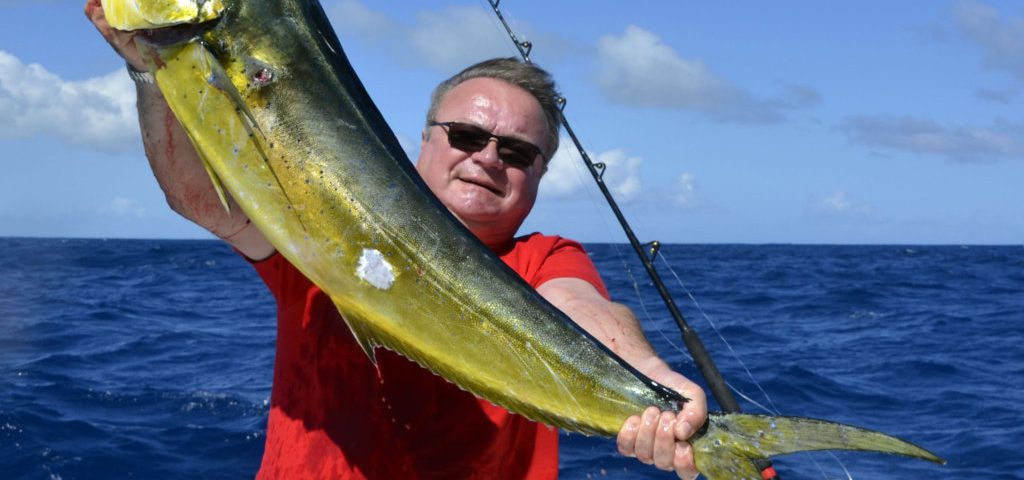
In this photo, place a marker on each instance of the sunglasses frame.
(480, 138)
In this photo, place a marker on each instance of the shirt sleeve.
(567, 258)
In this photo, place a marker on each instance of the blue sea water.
(153, 359)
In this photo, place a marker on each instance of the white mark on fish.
(327, 42)
(375, 270)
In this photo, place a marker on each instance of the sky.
(870, 122)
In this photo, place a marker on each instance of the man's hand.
(122, 42)
(660, 438)
(655, 438)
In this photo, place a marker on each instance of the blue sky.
(751, 122)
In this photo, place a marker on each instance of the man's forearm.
(185, 182)
(176, 165)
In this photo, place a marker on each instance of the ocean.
(153, 358)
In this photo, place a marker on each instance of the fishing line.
(705, 364)
(621, 257)
(575, 161)
(692, 341)
(771, 407)
(647, 315)
(650, 319)
(720, 389)
(732, 351)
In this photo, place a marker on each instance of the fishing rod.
(712, 376)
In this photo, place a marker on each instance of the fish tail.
(730, 444)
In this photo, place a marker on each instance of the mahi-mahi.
(284, 126)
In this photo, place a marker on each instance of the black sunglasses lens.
(470, 138)
(467, 137)
(517, 154)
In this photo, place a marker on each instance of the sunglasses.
(471, 138)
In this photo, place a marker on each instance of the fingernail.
(650, 416)
(683, 450)
(666, 422)
(684, 430)
(632, 424)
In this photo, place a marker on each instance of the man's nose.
(488, 156)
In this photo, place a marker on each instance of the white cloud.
(123, 207)
(959, 143)
(567, 176)
(442, 47)
(431, 40)
(97, 113)
(685, 194)
(353, 17)
(838, 205)
(1002, 41)
(446, 39)
(637, 68)
(622, 173)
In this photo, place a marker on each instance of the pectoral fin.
(363, 336)
(217, 184)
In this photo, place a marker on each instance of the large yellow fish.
(285, 127)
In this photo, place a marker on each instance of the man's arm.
(174, 160)
(655, 437)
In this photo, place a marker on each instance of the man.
(490, 132)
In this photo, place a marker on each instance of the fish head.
(131, 15)
(219, 64)
(234, 35)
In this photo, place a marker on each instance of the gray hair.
(527, 76)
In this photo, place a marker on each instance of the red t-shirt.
(333, 414)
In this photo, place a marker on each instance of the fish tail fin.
(731, 442)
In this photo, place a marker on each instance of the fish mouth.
(176, 34)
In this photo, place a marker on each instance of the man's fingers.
(695, 411)
(665, 441)
(626, 440)
(683, 462)
(645, 435)
(91, 8)
(683, 429)
(122, 42)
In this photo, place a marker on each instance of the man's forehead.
(486, 88)
(487, 95)
(473, 100)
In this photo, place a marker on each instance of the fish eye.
(259, 73)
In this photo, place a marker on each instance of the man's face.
(487, 195)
